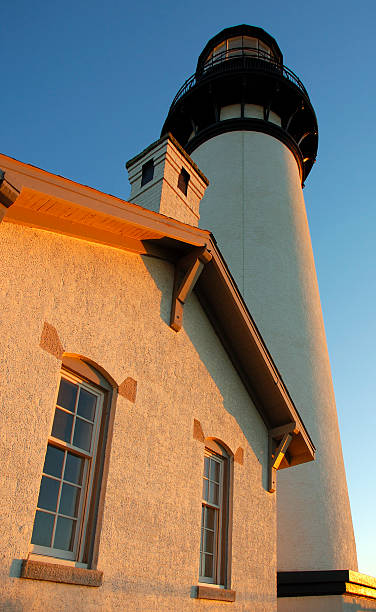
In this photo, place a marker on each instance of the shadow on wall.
(11, 605)
(359, 606)
(165, 289)
(213, 356)
(15, 568)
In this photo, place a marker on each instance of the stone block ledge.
(54, 572)
(208, 592)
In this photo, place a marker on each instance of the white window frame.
(219, 562)
(87, 478)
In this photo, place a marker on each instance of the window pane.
(74, 467)
(67, 395)
(210, 518)
(264, 49)
(183, 180)
(219, 49)
(206, 467)
(53, 463)
(214, 493)
(64, 534)
(235, 43)
(43, 526)
(248, 41)
(208, 566)
(205, 490)
(62, 426)
(209, 541)
(69, 500)
(251, 45)
(82, 434)
(86, 405)
(147, 172)
(49, 490)
(214, 470)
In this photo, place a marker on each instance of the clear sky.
(86, 85)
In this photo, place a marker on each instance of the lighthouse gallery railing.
(235, 60)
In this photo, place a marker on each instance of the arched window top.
(218, 446)
(88, 370)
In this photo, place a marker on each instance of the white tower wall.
(254, 205)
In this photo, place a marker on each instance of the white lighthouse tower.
(248, 123)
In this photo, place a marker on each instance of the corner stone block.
(50, 341)
(239, 456)
(198, 434)
(128, 389)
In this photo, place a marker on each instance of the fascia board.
(34, 182)
(233, 322)
(126, 223)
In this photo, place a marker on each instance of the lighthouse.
(248, 123)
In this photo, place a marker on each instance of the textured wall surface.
(331, 603)
(255, 207)
(113, 308)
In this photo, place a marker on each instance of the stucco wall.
(255, 207)
(113, 308)
(330, 603)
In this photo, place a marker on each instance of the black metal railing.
(233, 60)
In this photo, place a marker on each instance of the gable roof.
(50, 202)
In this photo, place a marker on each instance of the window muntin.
(65, 490)
(214, 519)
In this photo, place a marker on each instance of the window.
(215, 517)
(234, 46)
(183, 181)
(237, 47)
(264, 51)
(65, 501)
(147, 172)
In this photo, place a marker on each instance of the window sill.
(208, 592)
(54, 572)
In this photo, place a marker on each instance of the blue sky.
(87, 85)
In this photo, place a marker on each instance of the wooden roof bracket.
(8, 194)
(279, 441)
(187, 272)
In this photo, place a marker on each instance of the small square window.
(183, 181)
(147, 172)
